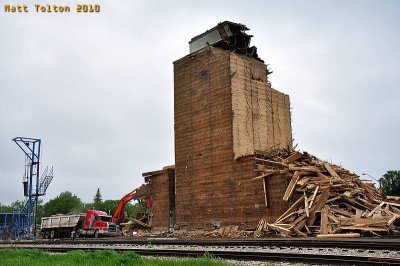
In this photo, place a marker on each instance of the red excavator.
(118, 216)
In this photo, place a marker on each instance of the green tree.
(390, 183)
(13, 207)
(40, 211)
(64, 203)
(110, 206)
(6, 208)
(17, 205)
(97, 199)
(87, 206)
(133, 208)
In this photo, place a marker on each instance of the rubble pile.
(137, 227)
(327, 200)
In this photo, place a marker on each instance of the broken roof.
(227, 35)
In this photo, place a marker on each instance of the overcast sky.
(98, 88)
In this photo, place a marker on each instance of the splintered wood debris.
(326, 200)
(137, 227)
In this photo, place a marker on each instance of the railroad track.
(365, 243)
(307, 251)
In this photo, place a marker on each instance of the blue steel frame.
(13, 225)
(31, 148)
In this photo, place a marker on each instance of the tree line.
(66, 203)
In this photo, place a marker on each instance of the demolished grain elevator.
(225, 112)
(236, 172)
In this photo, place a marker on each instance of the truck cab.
(98, 223)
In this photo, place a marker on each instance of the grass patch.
(21, 257)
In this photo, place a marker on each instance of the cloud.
(98, 88)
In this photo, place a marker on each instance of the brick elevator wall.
(261, 115)
(211, 186)
(161, 187)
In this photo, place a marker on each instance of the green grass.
(16, 257)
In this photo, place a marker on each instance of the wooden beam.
(293, 157)
(364, 228)
(338, 235)
(313, 197)
(306, 207)
(291, 186)
(393, 198)
(291, 209)
(331, 171)
(392, 220)
(303, 181)
(283, 231)
(320, 202)
(141, 223)
(309, 168)
(342, 212)
(270, 163)
(375, 210)
(265, 192)
(300, 222)
(391, 203)
(324, 220)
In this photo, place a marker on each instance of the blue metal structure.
(13, 225)
(33, 187)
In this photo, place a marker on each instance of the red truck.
(93, 223)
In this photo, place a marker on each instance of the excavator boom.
(118, 216)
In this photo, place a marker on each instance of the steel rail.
(376, 244)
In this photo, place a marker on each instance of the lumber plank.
(291, 209)
(396, 198)
(270, 163)
(350, 235)
(333, 218)
(310, 168)
(282, 230)
(324, 220)
(300, 222)
(306, 207)
(331, 171)
(293, 157)
(303, 181)
(320, 202)
(265, 192)
(363, 228)
(313, 196)
(391, 203)
(291, 186)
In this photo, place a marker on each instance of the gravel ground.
(262, 263)
(247, 263)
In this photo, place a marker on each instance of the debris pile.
(225, 231)
(328, 200)
(137, 227)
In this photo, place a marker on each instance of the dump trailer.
(93, 223)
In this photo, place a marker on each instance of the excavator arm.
(118, 216)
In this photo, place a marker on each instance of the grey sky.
(98, 88)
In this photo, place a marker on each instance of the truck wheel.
(96, 233)
(77, 234)
(47, 235)
(42, 235)
(52, 234)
